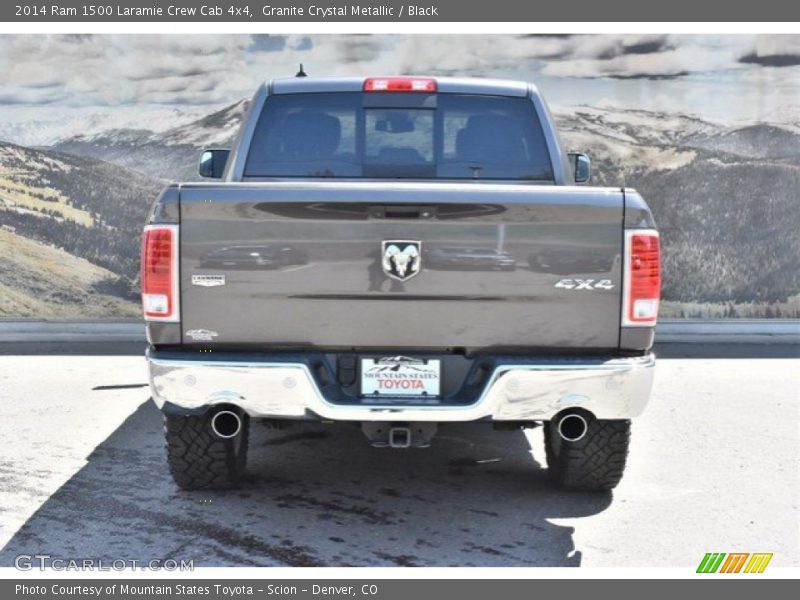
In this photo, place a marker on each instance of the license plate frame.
(400, 377)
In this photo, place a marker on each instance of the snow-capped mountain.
(33, 131)
(627, 139)
(217, 128)
(760, 141)
(619, 127)
(633, 125)
(170, 153)
(723, 194)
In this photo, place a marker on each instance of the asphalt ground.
(713, 468)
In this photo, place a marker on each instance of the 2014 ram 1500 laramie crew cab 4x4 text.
(399, 253)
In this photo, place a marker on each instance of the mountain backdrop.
(706, 127)
(725, 198)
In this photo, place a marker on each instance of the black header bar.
(266, 11)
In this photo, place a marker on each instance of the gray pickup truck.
(399, 253)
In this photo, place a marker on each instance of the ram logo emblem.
(402, 259)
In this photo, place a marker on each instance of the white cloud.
(67, 72)
(113, 70)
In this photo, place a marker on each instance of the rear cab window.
(413, 136)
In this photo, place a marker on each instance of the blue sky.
(717, 77)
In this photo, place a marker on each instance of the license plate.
(400, 376)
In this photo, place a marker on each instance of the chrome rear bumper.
(615, 388)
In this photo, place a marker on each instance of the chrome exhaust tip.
(572, 427)
(226, 424)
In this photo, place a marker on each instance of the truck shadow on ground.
(316, 495)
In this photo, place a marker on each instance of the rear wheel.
(594, 461)
(200, 459)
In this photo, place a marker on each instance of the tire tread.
(596, 462)
(198, 459)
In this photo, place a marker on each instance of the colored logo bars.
(735, 562)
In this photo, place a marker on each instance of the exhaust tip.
(226, 424)
(572, 427)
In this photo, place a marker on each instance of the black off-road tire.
(200, 460)
(593, 463)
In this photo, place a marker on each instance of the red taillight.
(399, 84)
(642, 278)
(160, 273)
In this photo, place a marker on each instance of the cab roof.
(445, 85)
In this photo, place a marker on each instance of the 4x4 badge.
(585, 284)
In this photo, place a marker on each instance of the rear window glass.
(336, 135)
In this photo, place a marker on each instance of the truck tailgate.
(500, 266)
